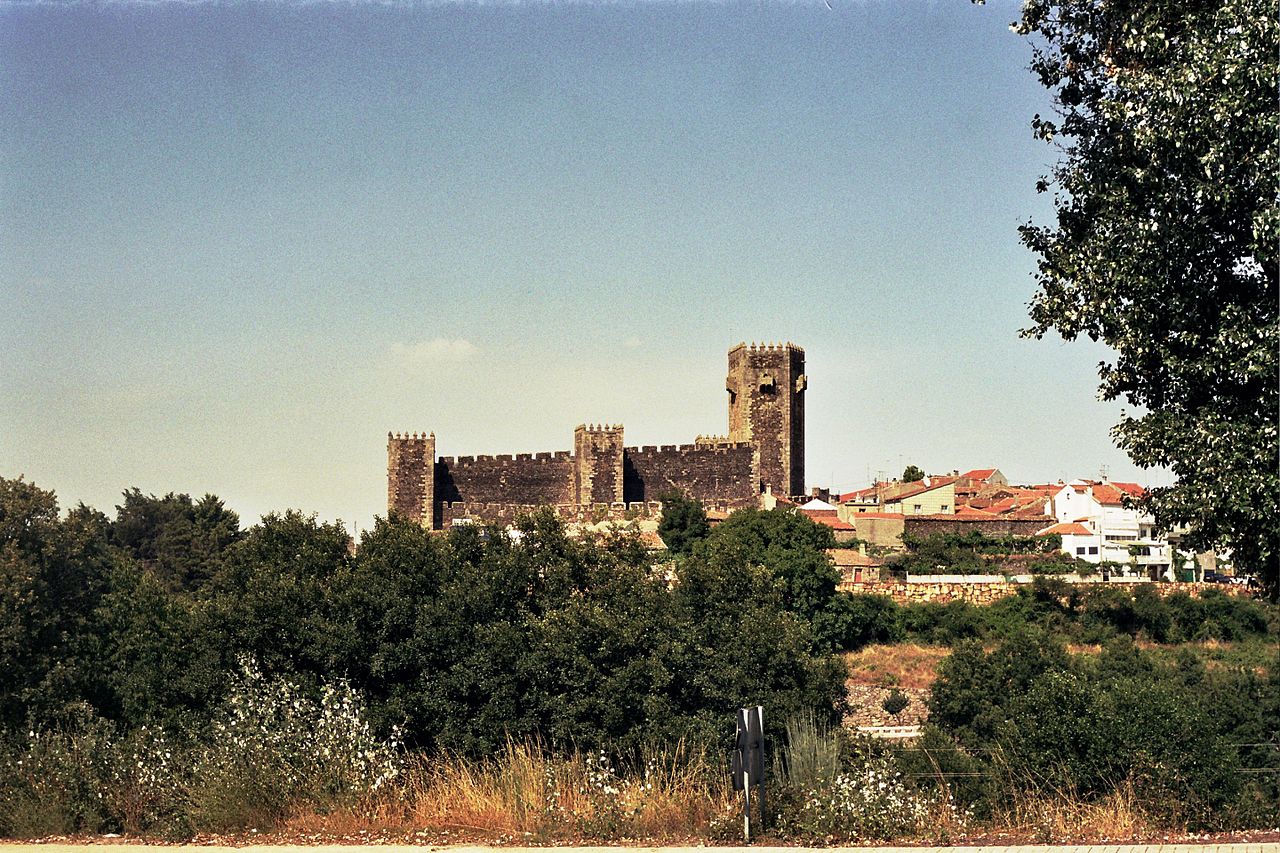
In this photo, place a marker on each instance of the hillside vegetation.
(169, 672)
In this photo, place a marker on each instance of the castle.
(602, 478)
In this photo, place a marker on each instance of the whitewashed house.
(1096, 525)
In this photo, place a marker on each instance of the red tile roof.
(978, 473)
(868, 492)
(832, 522)
(1072, 529)
(1114, 494)
(919, 488)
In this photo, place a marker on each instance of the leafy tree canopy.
(53, 574)
(787, 543)
(182, 541)
(912, 474)
(684, 522)
(1165, 244)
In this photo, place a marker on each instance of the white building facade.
(1104, 529)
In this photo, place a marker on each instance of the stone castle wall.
(716, 474)
(541, 478)
(504, 514)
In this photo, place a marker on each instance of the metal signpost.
(748, 763)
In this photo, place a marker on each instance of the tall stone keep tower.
(411, 476)
(766, 387)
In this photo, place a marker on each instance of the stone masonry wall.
(928, 525)
(720, 474)
(541, 478)
(986, 593)
(503, 514)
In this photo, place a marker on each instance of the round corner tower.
(766, 385)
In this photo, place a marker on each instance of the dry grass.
(1066, 818)
(523, 793)
(900, 665)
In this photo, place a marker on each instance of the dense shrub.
(854, 621)
(1040, 720)
(975, 553)
(272, 746)
(53, 777)
(463, 640)
(1092, 613)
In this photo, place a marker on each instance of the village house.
(1098, 523)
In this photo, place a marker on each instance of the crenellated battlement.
(767, 348)
(504, 459)
(697, 447)
(603, 429)
(455, 507)
(411, 436)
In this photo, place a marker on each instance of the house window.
(1080, 549)
(945, 507)
(917, 506)
(1093, 549)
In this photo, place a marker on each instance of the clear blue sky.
(239, 242)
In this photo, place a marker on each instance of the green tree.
(912, 474)
(683, 524)
(1165, 245)
(739, 646)
(53, 575)
(896, 702)
(277, 595)
(183, 542)
(790, 545)
(160, 662)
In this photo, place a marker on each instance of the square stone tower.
(766, 385)
(411, 465)
(597, 463)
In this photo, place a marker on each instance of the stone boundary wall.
(986, 593)
(721, 474)
(928, 525)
